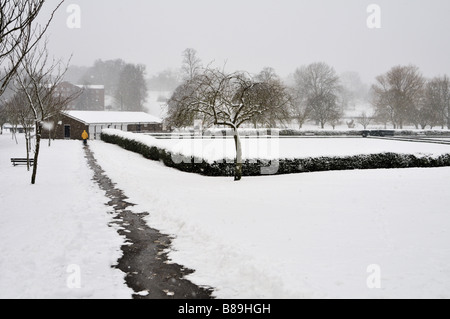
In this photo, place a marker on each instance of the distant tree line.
(124, 82)
(315, 94)
(165, 81)
(402, 96)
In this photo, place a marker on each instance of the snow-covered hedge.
(152, 149)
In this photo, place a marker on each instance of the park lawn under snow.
(54, 236)
(285, 148)
(311, 235)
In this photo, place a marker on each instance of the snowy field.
(311, 235)
(284, 148)
(54, 237)
(299, 236)
(289, 148)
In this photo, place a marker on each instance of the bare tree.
(353, 88)
(38, 80)
(167, 80)
(397, 94)
(20, 114)
(223, 99)
(18, 34)
(318, 84)
(132, 90)
(179, 113)
(3, 117)
(106, 73)
(192, 65)
(335, 117)
(384, 112)
(365, 120)
(425, 112)
(300, 109)
(270, 90)
(437, 99)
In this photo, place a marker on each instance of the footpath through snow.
(144, 259)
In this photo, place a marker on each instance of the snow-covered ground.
(54, 237)
(318, 235)
(284, 148)
(276, 148)
(297, 236)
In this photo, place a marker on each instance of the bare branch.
(19, 34)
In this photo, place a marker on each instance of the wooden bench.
(21, 161)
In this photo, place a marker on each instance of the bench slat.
(21, 161)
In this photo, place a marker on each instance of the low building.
(71, 124)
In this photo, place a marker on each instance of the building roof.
(92, 87)
(103, 117)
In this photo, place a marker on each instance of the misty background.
(250, 35)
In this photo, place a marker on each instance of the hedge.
(278, 167)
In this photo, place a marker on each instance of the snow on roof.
(103, 117)
(92, 87)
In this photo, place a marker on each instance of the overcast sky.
(252, 34)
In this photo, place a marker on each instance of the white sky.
(252, 34)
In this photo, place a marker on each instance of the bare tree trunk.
(36, 152)
(50, 138)
(238, 171)
(14, 135)
(27, 145)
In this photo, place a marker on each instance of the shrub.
(282, 166)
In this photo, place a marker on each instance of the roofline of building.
(74, 118)
(108, 122)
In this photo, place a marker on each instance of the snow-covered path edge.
(55, 238)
